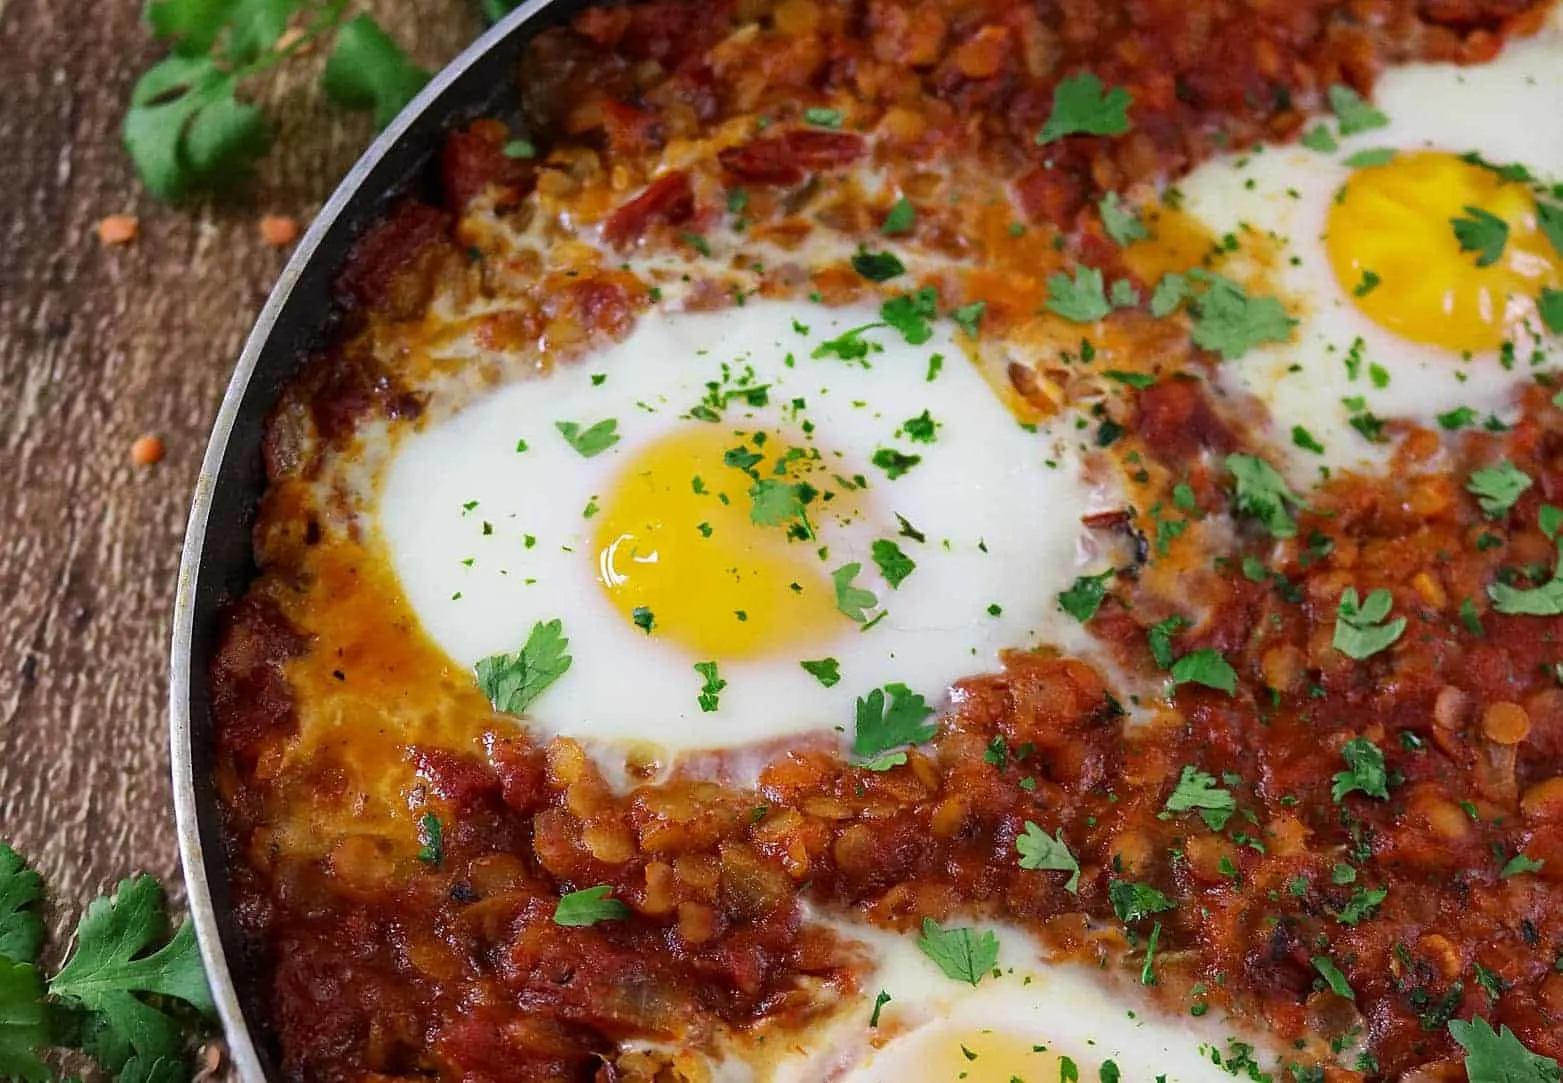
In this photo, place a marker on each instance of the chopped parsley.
(822, 117)
(1122, 223)
(901, 218)
(894, 463)
(1497, 1056)
(1363, 902)
(849, 345)
(1081, 299)
(1365, 771)
(827, 671)
(1333, 977)
(893, 564)
(644, 619)
(852, 600)
(431, 840)
(877, 266)
(969, 318)
(1354, 113)
(1082, 106)
(1207, 667)
(1038, 850)
(1483, 233)
(1518, 865)
(590, 441)
(887, 720)
(1197, 791)
(1361, 628)
(1370, 157)
(911, 314)
(1084, 597)
(711, 690)
(1135, 902)
(512, 681)
(1496, 488)
(1230, 322)
(1306, 440)
(961, 953)
(589, 906)
(1320, 138)
(1262, 493)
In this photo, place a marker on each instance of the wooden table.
(99, 345)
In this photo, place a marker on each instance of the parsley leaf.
(1206, 667)
(1263, 493)
(1360, 628)
(849, 345)
(882, 728)
(1365, 771)
(1122, 223)
(1082, 299)
(922, 429)
(877, 266)
(1230, 322)
(113, 961)
(910, 314)
(901, 219)
(969, 317)
(1169, 293)
(24, 1023)
(821, 117)
(1518, 864)
(1134, 902)
(1497, 1056)
(512, 681)
(1549, 306)
(368, 70)
(1197, 790)
(590, 441)
(711, 690)
(849, 599)
(589, 906)
(431, 839)
(1159, 637)
(1355, 114)
(1081, 108)
(1543, 601)
(185, 130)
(893, 564)
(1370, 157)
(827, 671)
(1039, 851)
(1084, 597)
(1332, 975)
(960, 953)
(894, 463)
(1483, 233)
(1496, 488)
(1320, 138)
(777, 503)
(1361, 903)
(21, 929)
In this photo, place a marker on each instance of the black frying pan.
(217, 562)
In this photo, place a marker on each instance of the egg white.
(1496, 110)
(1043, 1010)
(1000, 507)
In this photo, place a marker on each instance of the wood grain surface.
(99, 345)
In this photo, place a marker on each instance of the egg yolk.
(706, 540)
(1393, 244)
(982, 1056)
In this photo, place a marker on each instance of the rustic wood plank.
(97, 346)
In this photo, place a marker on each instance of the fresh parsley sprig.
(125, 994)
(187, 130)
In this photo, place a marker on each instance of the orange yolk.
(684, 547)
(982, 1056)
(1392, 243)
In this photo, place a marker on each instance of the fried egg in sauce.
(1411, 251)
(744, 520)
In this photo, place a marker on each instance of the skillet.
(216, 564)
